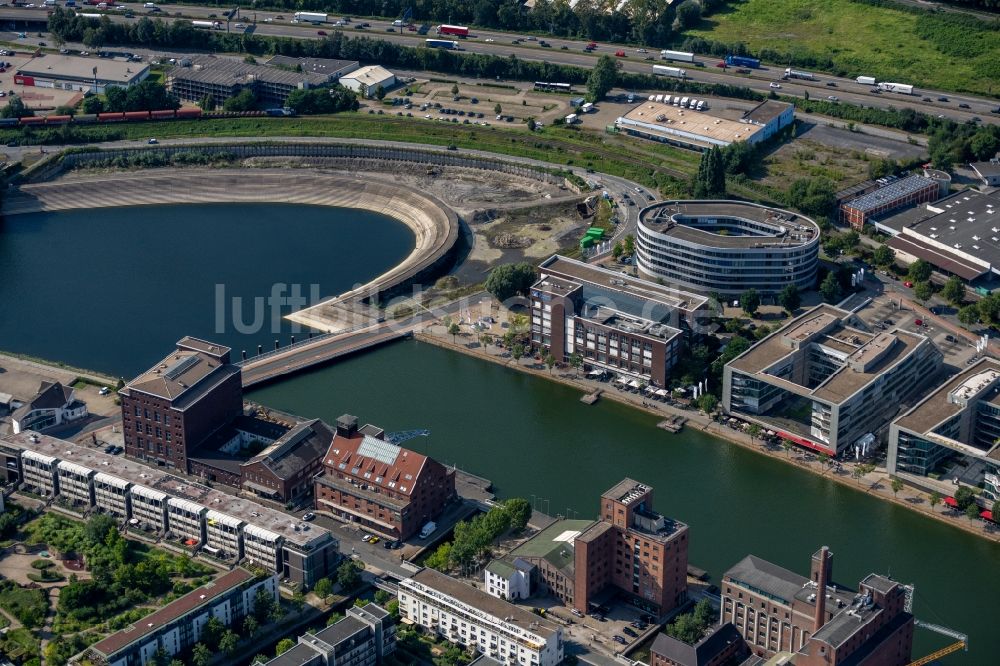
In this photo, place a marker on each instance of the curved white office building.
(726, 246)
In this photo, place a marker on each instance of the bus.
(440, 44)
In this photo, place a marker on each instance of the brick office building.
(383, 487)
(821, 623)
(178, 403)
(617, 323)
(638, 551)
(630, 549)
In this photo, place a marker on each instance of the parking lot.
(883, 313)
(33, 97)
(475, 103)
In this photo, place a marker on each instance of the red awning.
(950, 501)
(986, 515)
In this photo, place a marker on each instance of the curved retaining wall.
(390, 154)
(435, 225)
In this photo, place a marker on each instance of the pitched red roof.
(375, 461)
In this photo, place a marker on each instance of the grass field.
(653, 165)
(941, 51)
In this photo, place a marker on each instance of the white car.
(774, 84)
(833, 98)
(488, 39)
(268, 20)
(104, 390)
(641, 51)
(368, 537)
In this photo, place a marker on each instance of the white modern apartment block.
(262, 547)
(224, 526)
(185, 519)
(222, 535)
(470, 617)
(75, 483)
(111, 494)
(149, 507)
(39, 472)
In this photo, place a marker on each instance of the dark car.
(620, 639)
(963, 105)
(109, 448)
(832, 84)
(321, 33)
(630, 632)
(390, 29)
(942, 99)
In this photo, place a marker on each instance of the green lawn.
(944, 51)
(652, 165)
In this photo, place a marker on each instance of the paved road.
(570, 52)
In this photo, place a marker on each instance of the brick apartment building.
(631, 550)
(380, 486)
(178, 403)
(819, 622)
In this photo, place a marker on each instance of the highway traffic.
(573, 52)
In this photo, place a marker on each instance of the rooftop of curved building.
(678, 219)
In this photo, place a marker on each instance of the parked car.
(908, 284)
(368, 537)
(630, 632)
(620, 639)
(321, 33)
(104, 390)
(576, 612)
(833, 98)
(309, 515)
(774, 84)
(918, 322)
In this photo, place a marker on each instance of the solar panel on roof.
(384, 452)
(180, 367)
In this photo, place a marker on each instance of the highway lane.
(500, 43)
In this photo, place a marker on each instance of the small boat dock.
(672, 423)
(591, 398)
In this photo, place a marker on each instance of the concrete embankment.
(876, 484)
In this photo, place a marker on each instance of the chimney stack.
(821, 573)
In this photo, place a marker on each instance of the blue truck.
(742, 61)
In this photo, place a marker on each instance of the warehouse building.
(814, 621)
(222, 78)
(958, 235)
(80, 74)
(577, 562)
(953, 435)
(727, 247)
(896, 194)
(379, 486)
(824, 381)
(988, 172)
(667, 122)
(367, 80)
